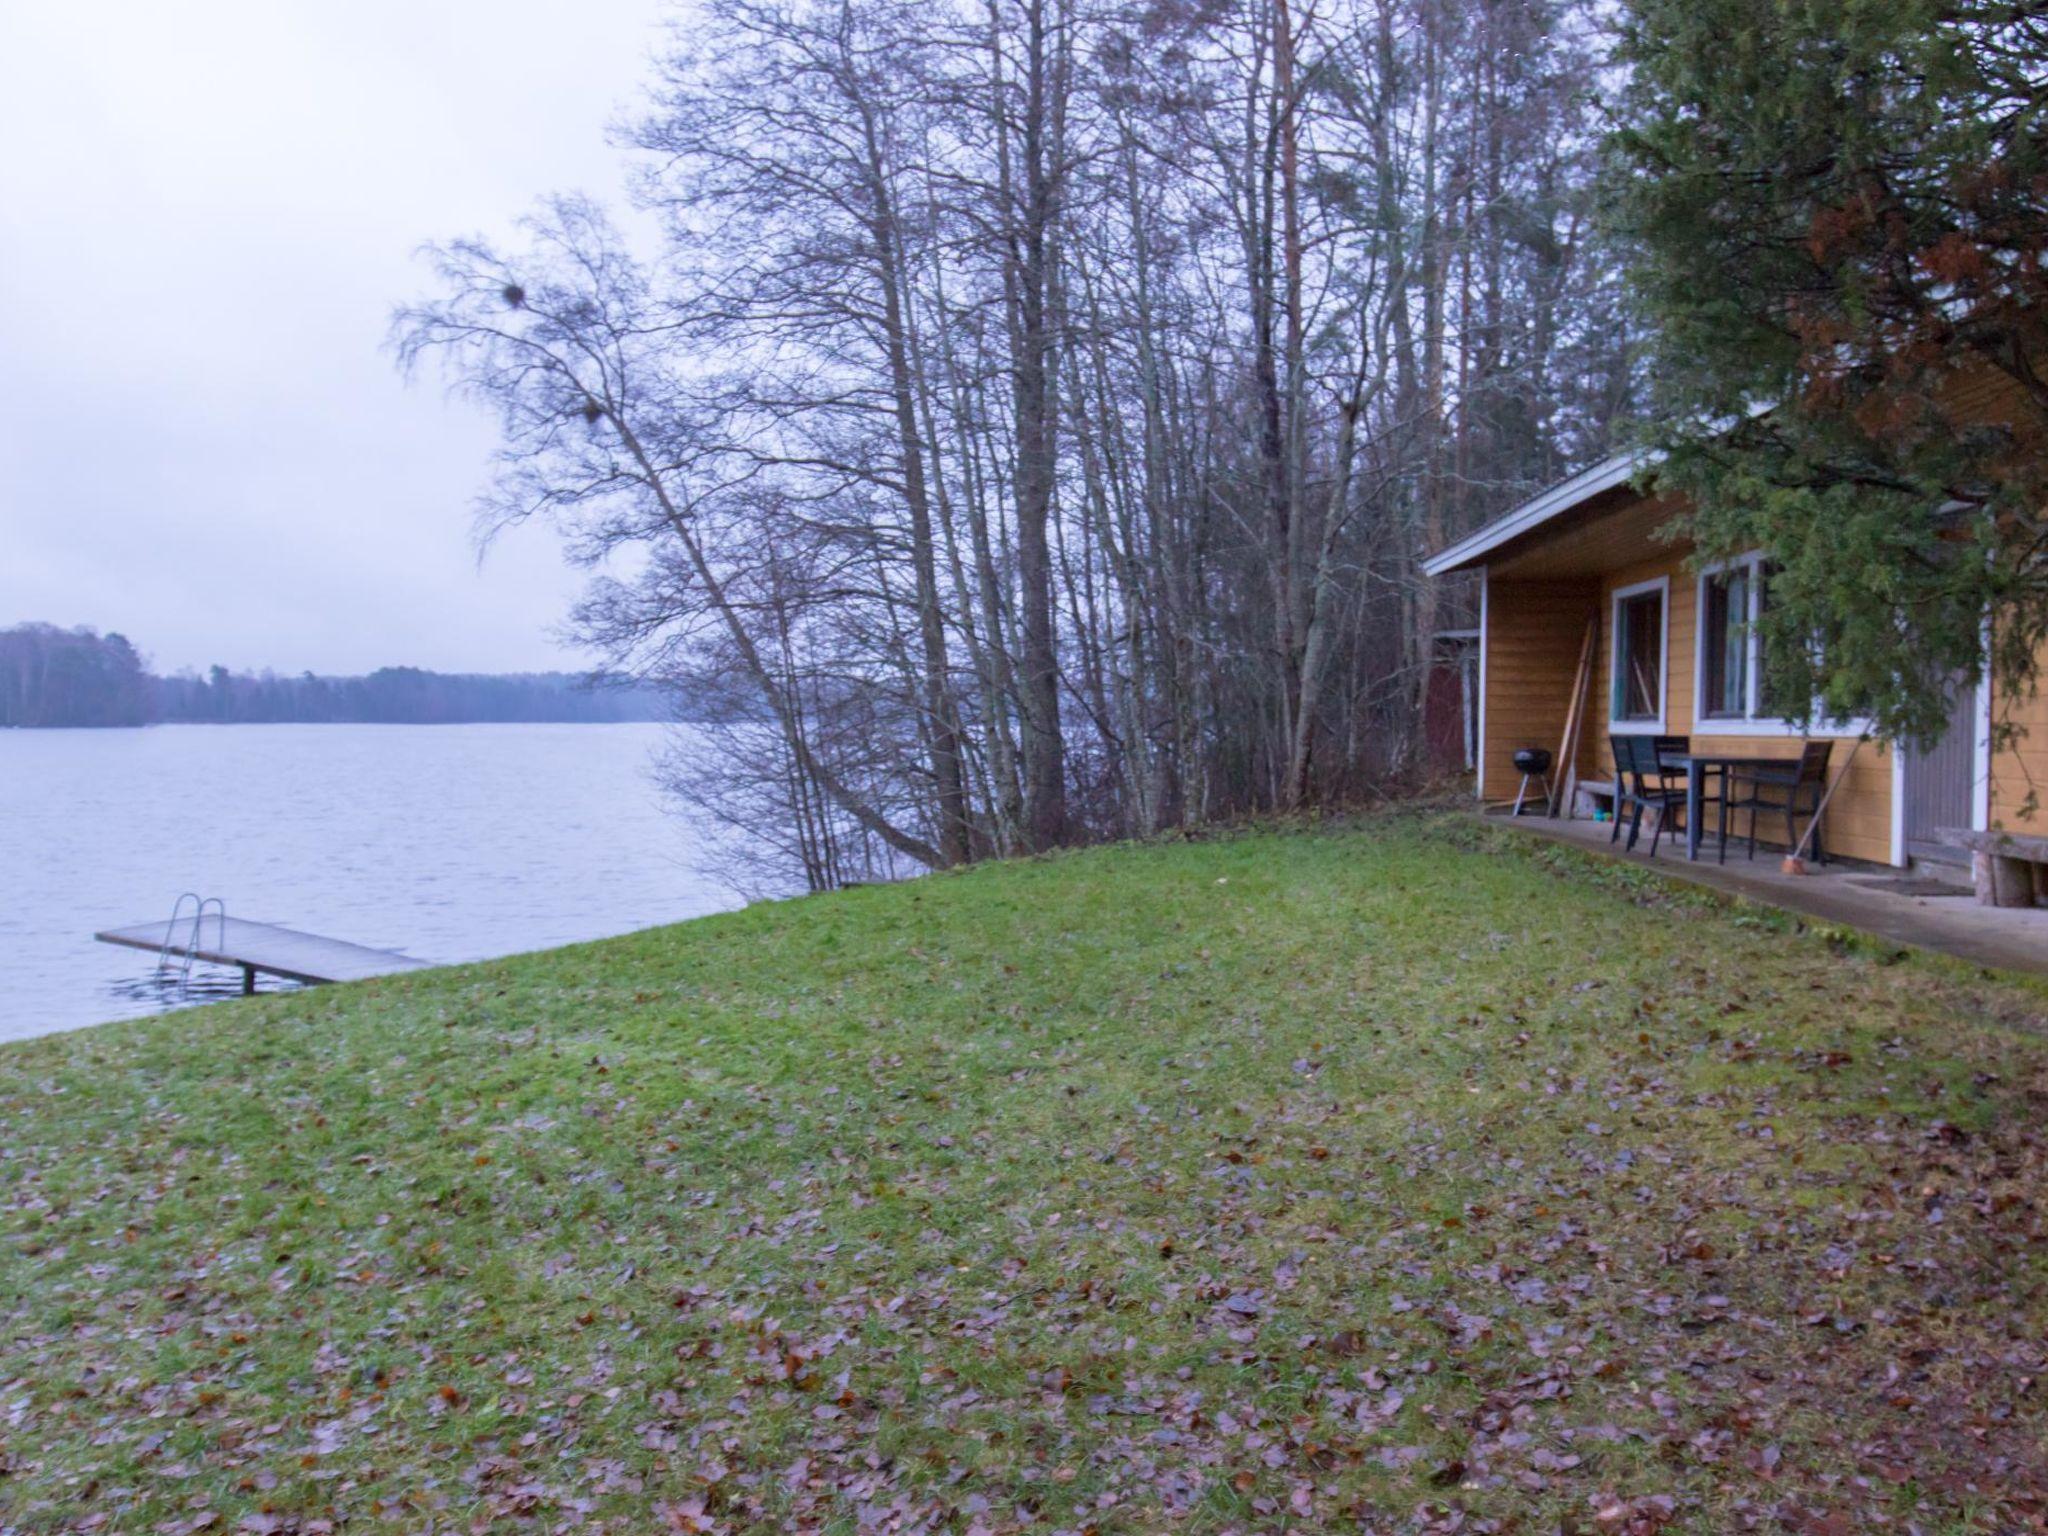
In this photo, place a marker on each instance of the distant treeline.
(60, 677)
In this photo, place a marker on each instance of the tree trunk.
(1028, 194)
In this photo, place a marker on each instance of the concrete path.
(2012, 939)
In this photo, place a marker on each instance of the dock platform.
(263, 947)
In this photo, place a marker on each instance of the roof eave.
(1536, 511)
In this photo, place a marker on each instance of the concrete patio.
(2013, 939)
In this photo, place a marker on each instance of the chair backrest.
(1624, 755)
(1666, 746)
(1634, 757)
(1813, 762)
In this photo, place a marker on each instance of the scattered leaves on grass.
(1412, 1188)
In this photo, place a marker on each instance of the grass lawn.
(1405, 1176)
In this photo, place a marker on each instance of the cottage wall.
(1534, 630)
(2019, 773)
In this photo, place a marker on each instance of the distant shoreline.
(53, 678)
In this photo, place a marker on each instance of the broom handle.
(1827, 795)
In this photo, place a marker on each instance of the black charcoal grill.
(1533, 763)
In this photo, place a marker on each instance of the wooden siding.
(1533, 633)
(2020, 771)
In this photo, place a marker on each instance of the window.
(1772, 701)
(1724, 664)
(1735, 695)
(1638, 656)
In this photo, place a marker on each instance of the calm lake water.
(445, 842)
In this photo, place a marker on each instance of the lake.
(449, 843)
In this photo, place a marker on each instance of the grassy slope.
(1381, 1174)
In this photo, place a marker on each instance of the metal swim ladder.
(170, 954)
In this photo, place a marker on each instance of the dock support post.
(248, 981)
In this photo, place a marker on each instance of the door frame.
(1980, 774)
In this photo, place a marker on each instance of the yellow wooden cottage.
(1673, 656)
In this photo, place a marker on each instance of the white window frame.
(1660, 585)
(1753, 723)
(1984, 759)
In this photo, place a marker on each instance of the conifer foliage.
(1838, 211)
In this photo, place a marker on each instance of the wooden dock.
(262, 947)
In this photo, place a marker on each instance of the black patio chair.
(1639, 787)
(1713, 791)
(1795, 790)
(1622, 749)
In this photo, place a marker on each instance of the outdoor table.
(1696, 766)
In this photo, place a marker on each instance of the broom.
(1795, 861)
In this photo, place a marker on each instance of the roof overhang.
(1532, 514)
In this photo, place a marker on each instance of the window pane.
(1639, 657)
(1777, 702)
(1727, 645)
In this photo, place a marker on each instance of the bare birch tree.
(1036, 412)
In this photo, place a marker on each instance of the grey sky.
(207, 210)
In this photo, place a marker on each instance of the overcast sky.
(207, 211)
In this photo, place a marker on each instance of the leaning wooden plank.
(1574, 721)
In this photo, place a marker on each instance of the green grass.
(1388, 1177)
